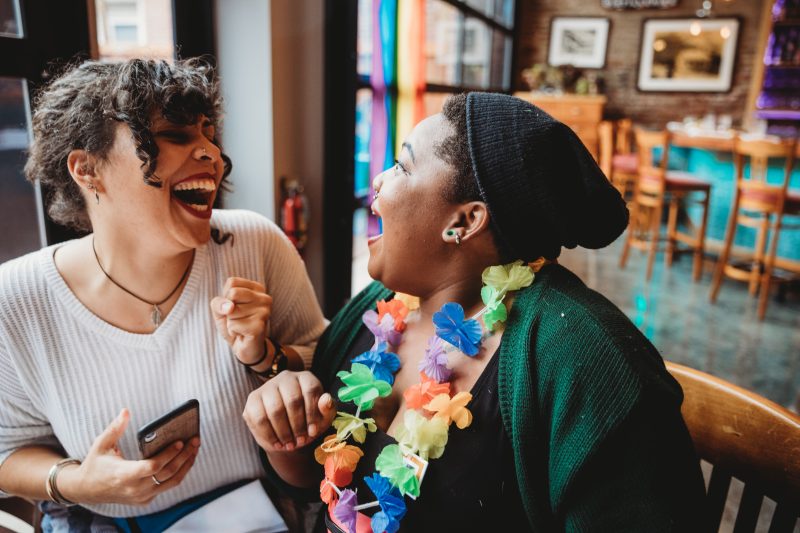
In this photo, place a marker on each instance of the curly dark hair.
(453, 150)
(80, 108)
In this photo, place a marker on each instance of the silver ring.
(375, 196)
(458, 238)
(156, 481)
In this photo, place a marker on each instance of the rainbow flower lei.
(431, 407)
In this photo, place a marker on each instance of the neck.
(143, 269)
(466, 292)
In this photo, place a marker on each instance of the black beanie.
(541, 185)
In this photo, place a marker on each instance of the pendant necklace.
(155, 314)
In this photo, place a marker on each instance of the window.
(10, 19)
(465, 45)
(134, 28)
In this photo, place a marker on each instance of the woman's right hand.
(288, 411)
(105, 476)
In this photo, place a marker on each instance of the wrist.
(69, 481)
(258, 356)
(62, 482)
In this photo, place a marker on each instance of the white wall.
(244, 56)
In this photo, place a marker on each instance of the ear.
(81, 166)
(467, 222)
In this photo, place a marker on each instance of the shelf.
(787, 22)
(778, 114)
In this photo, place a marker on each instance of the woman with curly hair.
(165, 300)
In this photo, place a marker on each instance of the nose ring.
(375, 196)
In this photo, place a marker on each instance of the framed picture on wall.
(689, 55)
(578, 41)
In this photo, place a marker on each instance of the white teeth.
(198, 207)
(202, 184)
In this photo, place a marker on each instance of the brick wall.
(622, 61)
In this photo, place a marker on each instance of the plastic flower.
(452, 409)
(411, 302)
(344, 510)
(425, 437)
(391, 502)
(434, 363)
(496, 309)
(423, 392)
(347, 454)
(510, 277)
(383, 364)
(347, 424)
(397, 309)
(361, 387)
(451, 326)
(383, 329)
(335, 474)
(392, 466)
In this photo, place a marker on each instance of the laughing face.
(176, 215)
(411, 204)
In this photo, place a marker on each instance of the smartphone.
(181, 423)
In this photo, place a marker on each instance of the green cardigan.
(592, 413)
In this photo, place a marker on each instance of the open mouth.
(377, 214)
(195, 194)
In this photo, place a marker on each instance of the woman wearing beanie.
(505, 393)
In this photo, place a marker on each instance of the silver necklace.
(155, 315)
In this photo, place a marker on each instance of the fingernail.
(312, 430)
(277, 445)
(328, 400)
(301, 441)
(227, 307)
(289, 446)
(196, 442)
(178, 445)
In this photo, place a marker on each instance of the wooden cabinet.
(581, 113)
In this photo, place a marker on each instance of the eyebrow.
(410, 151)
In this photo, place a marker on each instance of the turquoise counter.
(717, 167)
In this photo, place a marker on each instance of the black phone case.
(182, 423)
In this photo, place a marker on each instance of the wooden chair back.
(651, 182)
(623, 141)
(745, 436)
(605, 137)
(755, 193)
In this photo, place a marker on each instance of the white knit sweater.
(65, 374)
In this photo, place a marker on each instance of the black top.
(472, 486)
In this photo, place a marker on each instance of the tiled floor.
(725, 339)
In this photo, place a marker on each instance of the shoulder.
(568, 313)
(580, 345)
(20, 276)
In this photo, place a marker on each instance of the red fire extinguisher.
(294, 213)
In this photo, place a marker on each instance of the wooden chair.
(760, 205)
(20, 515)
(745, 436)
(655, 188)
(617, 161)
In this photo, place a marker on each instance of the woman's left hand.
(241, 314)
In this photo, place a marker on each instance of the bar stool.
(760, 205)
(654, 188)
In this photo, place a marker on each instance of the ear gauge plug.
(450, 233)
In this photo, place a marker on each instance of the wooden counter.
(708, 142)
